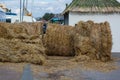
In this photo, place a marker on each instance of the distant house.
(98, 11)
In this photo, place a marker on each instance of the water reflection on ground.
(65, 74)
(81, 74)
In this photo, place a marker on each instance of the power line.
(32, 9)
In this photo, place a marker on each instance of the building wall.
(113, 19)
(17, 18)
(66, 18)
(2, 17)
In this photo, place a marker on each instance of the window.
(8, 20)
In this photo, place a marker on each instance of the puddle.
(7, 74)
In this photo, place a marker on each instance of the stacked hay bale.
(58, 40)
(21, 43)
(93, 40)
(87, 40)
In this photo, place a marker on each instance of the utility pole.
(20, 9)
(23, 10)
(26, 3)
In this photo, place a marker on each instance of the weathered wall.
(113, 19)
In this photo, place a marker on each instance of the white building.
(98, 11)
(2, 16)
(13, 18)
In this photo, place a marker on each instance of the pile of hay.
(87, 40)
(58, 40)
(20, 30)
(21, 43)
(93, 40)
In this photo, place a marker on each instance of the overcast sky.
(38, 7)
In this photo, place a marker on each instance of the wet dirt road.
(60, 69)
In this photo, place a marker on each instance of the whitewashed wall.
(17, 18)
(2, 16)
(113, 19)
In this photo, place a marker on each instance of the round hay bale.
(93, 40)
(58, 41)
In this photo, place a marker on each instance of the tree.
(48, 16)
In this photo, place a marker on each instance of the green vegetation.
(48, 16)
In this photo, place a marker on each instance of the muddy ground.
(62, 68)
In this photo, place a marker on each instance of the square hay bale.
(15, 50)
(21, 42)
(21, 30)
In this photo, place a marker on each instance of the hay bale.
(89, 39)
(17, 51)
(3, 31)
(21, 30)
(58, 40)
(21, 42)
(93, 40)
(106, 41)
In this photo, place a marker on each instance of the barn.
(97, 11)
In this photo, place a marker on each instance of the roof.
(9, 13)
(1, 9)
(93, 6)
(2, 5)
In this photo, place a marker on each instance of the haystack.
(21, 30)
(93, 40)
(21, 43)
(58, 40)
(87, 40)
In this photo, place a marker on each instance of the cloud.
(53, 6)
(51, 9)
(118, 0)
(17, 10)
(38, 7)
